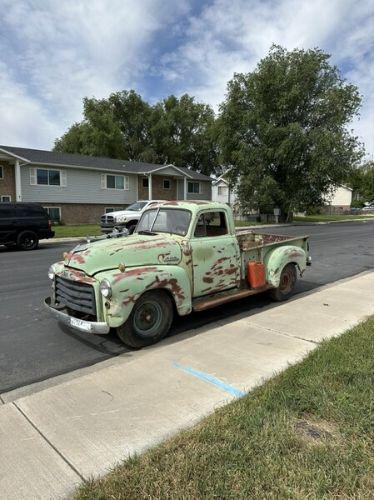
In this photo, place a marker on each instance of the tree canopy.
(175, 130)
(283, 128)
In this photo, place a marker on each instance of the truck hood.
(134, 214)
(133, 250)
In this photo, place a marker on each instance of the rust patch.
(137, 273)
(207, 279)
(170, 283)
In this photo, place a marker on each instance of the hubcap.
(148, 318)
(287, 280)
(28, 241)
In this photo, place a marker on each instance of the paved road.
(34, 347)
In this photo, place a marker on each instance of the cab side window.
(211, 224)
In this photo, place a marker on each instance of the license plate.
(82, 325)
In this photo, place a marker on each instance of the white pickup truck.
(127, 218)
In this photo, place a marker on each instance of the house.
(339, 201)
(222, 192)
(79, 189)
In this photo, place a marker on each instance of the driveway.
(34, 347)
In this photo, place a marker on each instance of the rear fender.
(277, 259)
(128, 286)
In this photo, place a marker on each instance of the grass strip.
(306, 433)
(77, 231)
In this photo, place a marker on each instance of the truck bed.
(249, 240)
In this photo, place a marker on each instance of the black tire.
(149, 321)
(287, 284)
(27, 240)
(131, 228)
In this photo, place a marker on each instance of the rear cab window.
(210, 224)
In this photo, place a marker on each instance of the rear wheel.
(287, 284)
(27, 240)
(149, 321)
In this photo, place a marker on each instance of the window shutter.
(103, 181)
(33, 177)
(63, 178)
(126, 183)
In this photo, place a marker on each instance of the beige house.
(339, 201)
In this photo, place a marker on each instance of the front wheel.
(149, 321)
(27, 240)
(287, 284)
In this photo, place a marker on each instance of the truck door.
(215, 254)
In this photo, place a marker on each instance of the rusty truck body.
(184, 256)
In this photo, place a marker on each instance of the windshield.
(137, 206)
(165, 220)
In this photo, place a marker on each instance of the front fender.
(278, 258)
(128, 286)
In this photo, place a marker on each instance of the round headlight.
(51, 273)
(105, 289)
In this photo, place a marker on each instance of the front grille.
(107, 219)
(76, 295)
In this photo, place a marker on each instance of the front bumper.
(81, 325)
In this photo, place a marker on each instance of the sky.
(53, 53)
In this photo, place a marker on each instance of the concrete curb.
(83, 426)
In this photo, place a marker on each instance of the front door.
(215, 254)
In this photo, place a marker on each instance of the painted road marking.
(211, 380)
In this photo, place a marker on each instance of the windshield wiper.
(146, 231)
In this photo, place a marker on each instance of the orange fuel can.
(256, 274)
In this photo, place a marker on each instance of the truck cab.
(184, 256)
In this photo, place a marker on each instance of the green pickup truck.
(184, 256)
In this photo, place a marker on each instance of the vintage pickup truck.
(184, 256)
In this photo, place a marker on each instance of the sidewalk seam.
(74, 469)
(285, 334)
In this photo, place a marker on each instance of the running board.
(207, 302)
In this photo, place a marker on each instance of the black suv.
(23, 224)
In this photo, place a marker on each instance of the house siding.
(83, 186)
(205, 191)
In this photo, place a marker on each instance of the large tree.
(175, 130)
(283, 128)
(117, 127)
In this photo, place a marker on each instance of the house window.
(5, 198)
(145, 182)
(166, 184)
(54, 213)
(117, 182)
(1, 172)
(46, 177)
(108, 210)
(193, 187)
(222, 190)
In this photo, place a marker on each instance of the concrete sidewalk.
(53, 439)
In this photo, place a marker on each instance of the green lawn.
(306, 433)
(241, 223)
(328, 218)
(72, 231)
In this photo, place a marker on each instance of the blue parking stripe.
(211, 380)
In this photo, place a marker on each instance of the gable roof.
(42, 157)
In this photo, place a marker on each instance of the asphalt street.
(34, 347)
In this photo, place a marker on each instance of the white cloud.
(24, 121)
(63, 51)
(233, 35)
